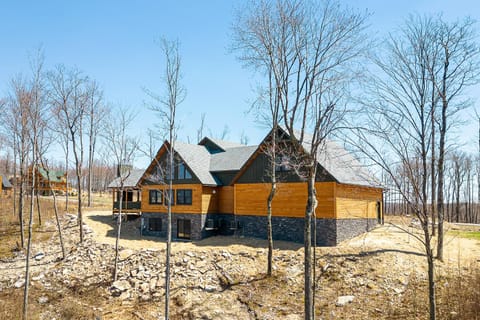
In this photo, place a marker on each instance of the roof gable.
(195, 157)
(336, 160)
(216, 145)
(130, 182)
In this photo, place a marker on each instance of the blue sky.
(114, 43)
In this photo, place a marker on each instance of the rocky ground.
(372, 276)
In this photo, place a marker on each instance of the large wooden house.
(222, 188)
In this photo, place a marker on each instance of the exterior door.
(183, 228)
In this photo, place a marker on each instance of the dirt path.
(386, 238)
(102, 225)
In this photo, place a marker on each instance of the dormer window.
(282, 163)
(183, 173)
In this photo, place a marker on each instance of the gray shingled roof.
(130, 182)
(231, 159)
(197, 159)
(341, 164)
(226, 144)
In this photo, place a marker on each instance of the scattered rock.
(43, 300)
(372, 286)
(398, 290)
(125, 254)
(343, 300)
(19, 283)
(39, 256)
(121, 285)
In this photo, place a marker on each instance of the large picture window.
(184, 196)
(183, 172)
(155, 197)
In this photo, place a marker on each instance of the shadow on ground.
(131, 231)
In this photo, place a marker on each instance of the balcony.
(127, 205)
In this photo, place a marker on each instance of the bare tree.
(123, 147)
(69, 99)
(96, 113)
(309, 47)
(397, 130)
(36, 94)
(17, 126)
(457, 68)
(165, 106)
(201, 128)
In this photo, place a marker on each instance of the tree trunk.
(431, 276)
(78, 172)
(66, 174)
(37, 198)
(20, 201)
(308, 284)
(15, 184)
(29, 244)
(57, 219)
(169, 231)
(119, 227)
(273, 189)
(433, 166)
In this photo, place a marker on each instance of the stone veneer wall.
(350, 228)
(197, 222)
(330, 232)
(287, 229)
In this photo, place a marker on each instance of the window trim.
(157, 193)
(183, 173)
(182, 200)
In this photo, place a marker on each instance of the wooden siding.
(355, 202)
(209, 200)
(225, 199)
(195, 207)
(290, 200)
(358, 192)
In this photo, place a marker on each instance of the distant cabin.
(5, 187)
(221, 188)
(48, 181)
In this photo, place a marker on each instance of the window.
(183, 172)
(184, 196)
(183, 228)
(154, 224)
(282, 163)
(155, 197)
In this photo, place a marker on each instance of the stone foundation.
(330, 232)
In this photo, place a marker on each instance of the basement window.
(154, 224)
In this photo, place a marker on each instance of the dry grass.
(10, 226)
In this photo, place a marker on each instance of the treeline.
(461, 190)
